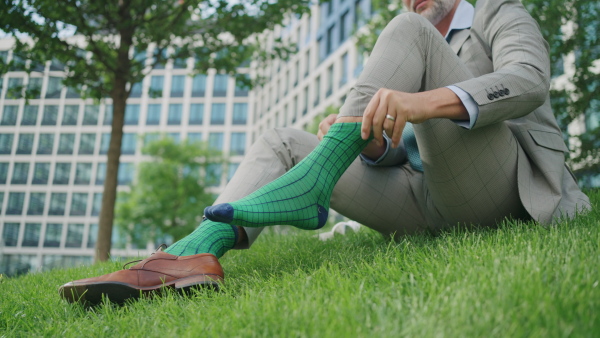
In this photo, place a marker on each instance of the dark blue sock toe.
(220, 213)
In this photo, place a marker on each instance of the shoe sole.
(119, 293)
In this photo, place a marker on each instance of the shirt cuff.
(470, 104)
(369, 161)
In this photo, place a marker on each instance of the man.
(462, 94)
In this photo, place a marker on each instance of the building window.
(58, 200)
(317, 91)
(20, 173)
(177, 85)
(176, 137)
(34, 87)
(90, 115)
(153, 115)
(329, 43)
(194, 137)
(307, 63)
(241, 90)
(240, 113)
(128, 144)
(345, 70)
(136, 90)
(87, 143)
(31, 235)
(345, 26)
(150, 137)
(104, 143)
(54, 88)
(66, 143)
(3, 176)
(329, 81)
(25, 145)
(15, 87)
(108, 115)
(196, 113)
(10, 234)
(41, 172)
(126, 172)
(50, 116)
(220, 85)
(199, 85)
(215, 141)
(6, 142)
(62, 173)
(217, 114)
(92, 236)
(74, 236)
(30, 114)
(15, 203)
(100, 173)
(174, 116)
(53, 235)
(238, 143)
(97, 204)
(214, 172)
(78, 204)
(132, 114)
(37, 201)
(45, 144)
(156, 86)
(70, 115)
(9, 115)
(83, 173)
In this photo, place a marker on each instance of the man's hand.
(373, 150)
(408, 107)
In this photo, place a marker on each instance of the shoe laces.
(160, 247)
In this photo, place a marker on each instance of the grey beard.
(436, 12)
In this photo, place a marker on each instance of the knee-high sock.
(301, 196)
(210, 237)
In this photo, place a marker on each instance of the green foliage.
(168, 196)
(520, 280)
(555, 18)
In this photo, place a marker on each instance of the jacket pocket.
(548, 139)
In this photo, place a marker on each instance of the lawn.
(521, 280)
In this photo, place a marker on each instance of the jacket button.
(501, 92)
(506, 91)
(490, 96)
(496, 95)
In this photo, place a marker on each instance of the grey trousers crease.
(470, 176)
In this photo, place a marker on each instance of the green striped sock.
(301, 196)
(210, 237)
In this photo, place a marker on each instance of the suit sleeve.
(521, 78)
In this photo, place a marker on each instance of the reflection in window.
(97, 204)
(108, 115)
(194, 137)
(126, 172)
(213, 174)
(37, 201)
(10, 234)
(74, 236)
(34, 87)
(9, 115)
(100, 173)
(3, 175)
(66, 143)
(78, 204)
(231, 170)
(90, 115)
(50, 115)
(217, 114)
(177, 85)
(196, 113)
(153, 115)
(31, 235)
(54, 88)
(132, 114)
(6, 142)
(62, 173)
(25, 145)
(215, 141)
(175, 111)
(104, 143)
(53, 235)
(199, 85)
(240, 113)
(156, 86)
(45, 144)
(30, 114)
(20, 173)
(87, 142)
(41, 172)
(70, 115)
(128, 144)
(15, 203)
(220, 85)
(58, 200)
(238, 143)
(83, 173)
(92, 236)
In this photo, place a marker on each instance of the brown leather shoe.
(161, 270)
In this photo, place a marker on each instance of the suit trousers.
(470, 176)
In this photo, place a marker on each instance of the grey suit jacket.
(505, 51)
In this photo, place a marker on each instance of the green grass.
(521, 280)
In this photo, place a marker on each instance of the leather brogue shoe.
(151, 275)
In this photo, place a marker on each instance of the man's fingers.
(397, 133)
(367, 121)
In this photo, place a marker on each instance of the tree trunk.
(119, 95)
(109, 196)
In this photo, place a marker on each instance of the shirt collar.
(463, 17)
